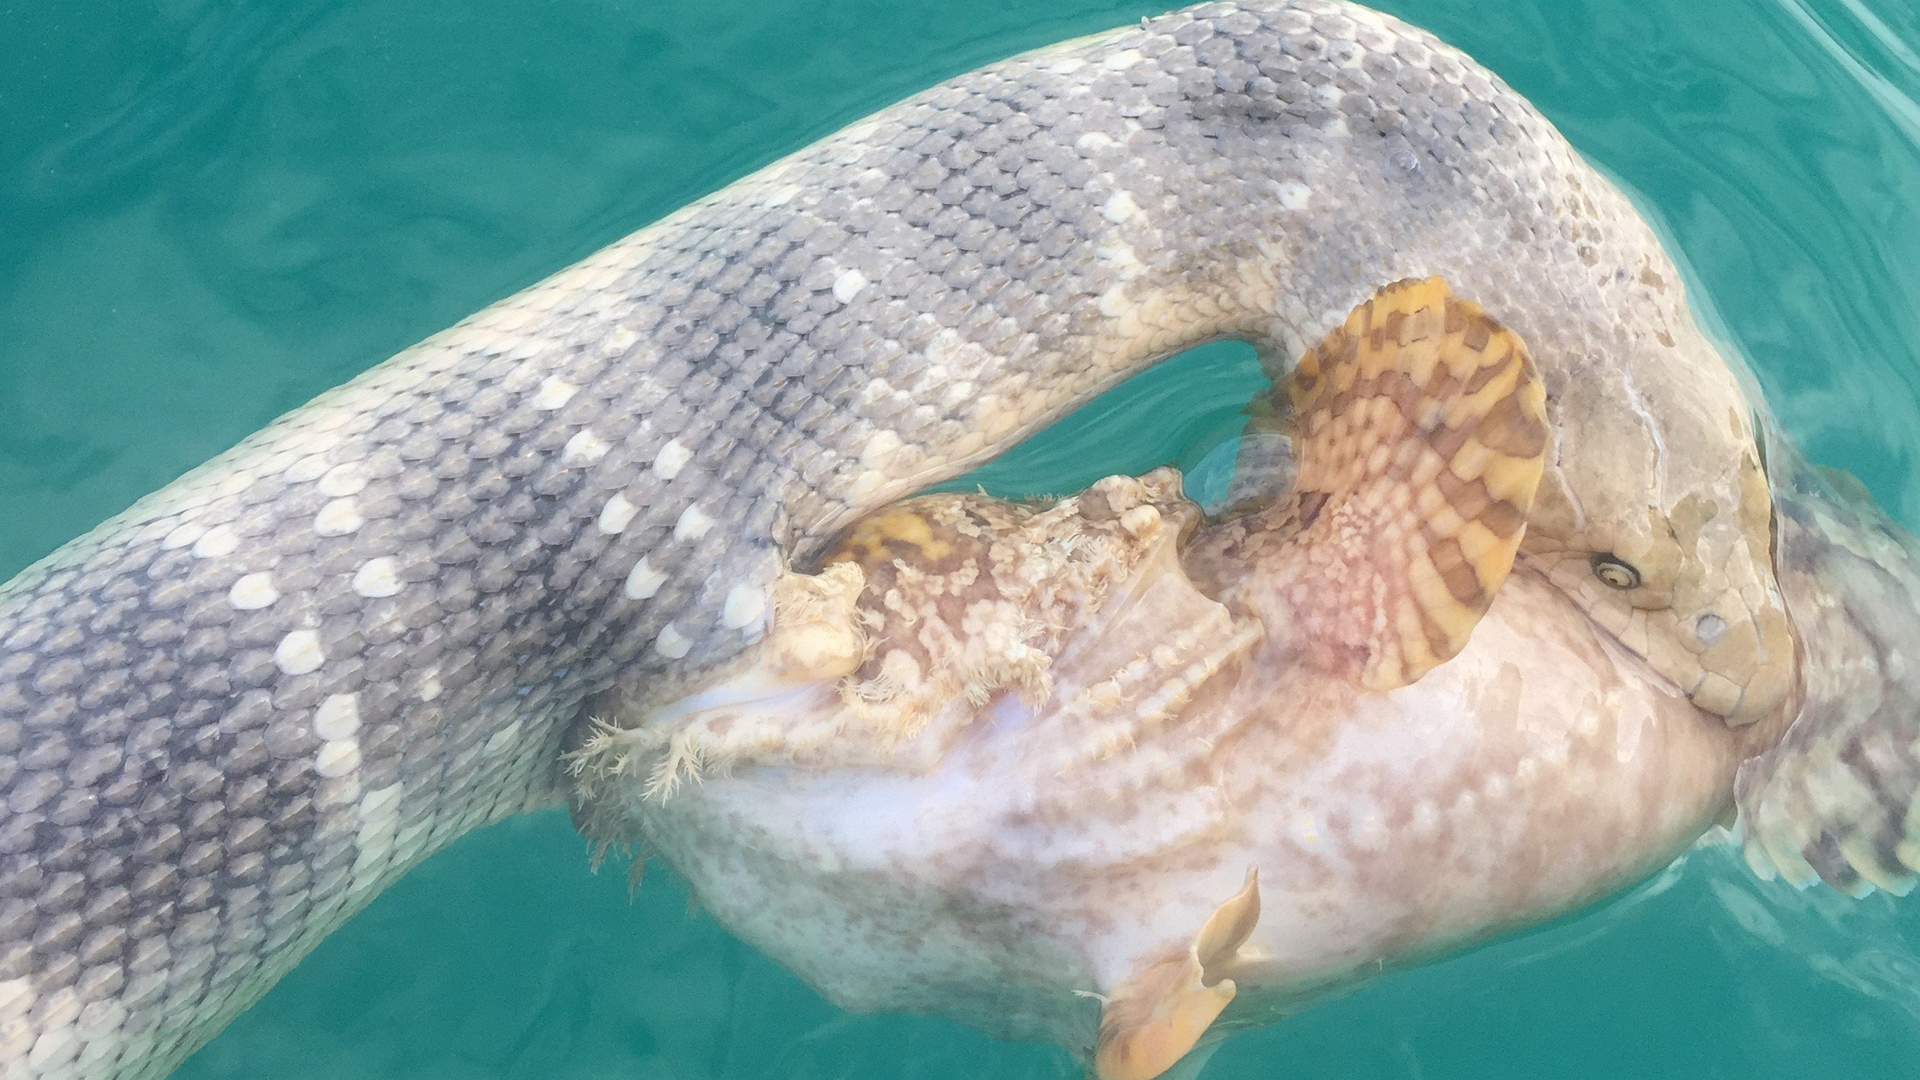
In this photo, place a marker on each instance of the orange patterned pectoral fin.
(1422, 438)
(1153, 1019)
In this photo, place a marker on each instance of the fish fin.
(1837, 797)
(1422, 438)
(1153, 1019)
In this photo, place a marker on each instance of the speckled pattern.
(925, 610)
(1069, 700)
(1838, 800)
(1003, 887)
(234, 713)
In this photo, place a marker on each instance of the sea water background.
(210, 210)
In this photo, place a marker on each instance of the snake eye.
(1614, 573)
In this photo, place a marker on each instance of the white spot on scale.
(430, 687)
(338, 717)
(381, 802)
(880, 449)
(376, 838)
(1293, 194)
(53, 1049)
(379, 822)
(643, 581)
(253, 592)
(867, 485)
(337, 757)
(946, 347)
(337, 518)
(299, 653)
(377, 578)
(501, 740)
(59, 1009)
(616, 515)
(316, 419)
(1122, 60)
(671, 459)
(553, 393)
(183, 536)
(410, 841)
(584, 448)
(671, 643)
(1119, 207)
(693, 524)
(371, 863)
(848, 285)
(1093, 141)
(216, 542)
(1114, 302)
(338, 792)
(16, 998)
(745, 604)
(16, 1039)
(620, 340)
(342, 481)
(306, 470)
(1123, 257)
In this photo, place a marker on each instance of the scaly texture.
(1839, 798)
(1014, 859)
(950, 600)
(234, 713)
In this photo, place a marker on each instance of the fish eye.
(1614, 572)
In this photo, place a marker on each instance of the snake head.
(1656, 516)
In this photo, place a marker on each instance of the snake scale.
(233, 714)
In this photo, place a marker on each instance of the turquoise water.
(210, 211)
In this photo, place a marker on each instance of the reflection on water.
(1870, 946)
(213, 210)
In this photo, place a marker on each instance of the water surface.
(211, 210)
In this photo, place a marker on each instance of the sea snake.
(234, 713)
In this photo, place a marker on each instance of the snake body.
(233, 714)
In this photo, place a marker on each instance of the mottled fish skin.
(1838, 800)
(233, 714)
